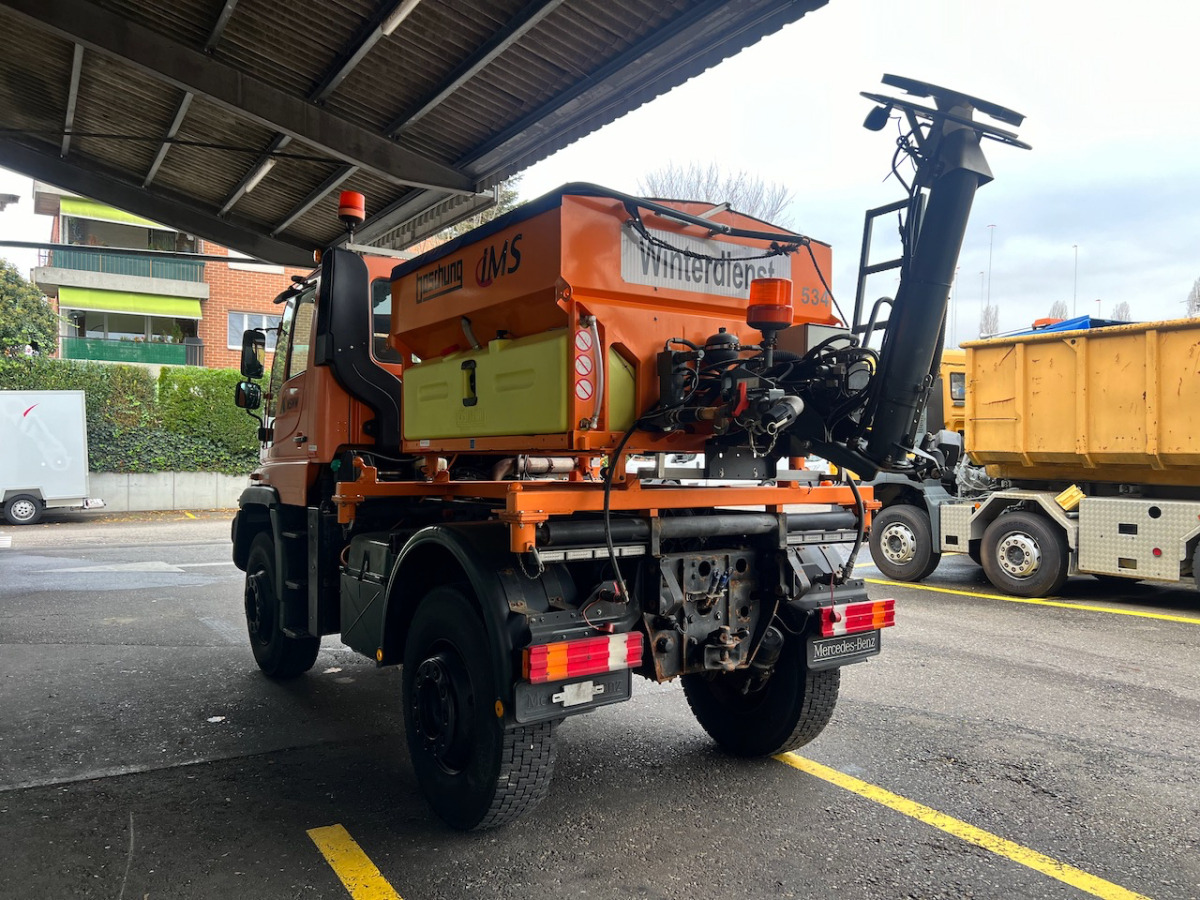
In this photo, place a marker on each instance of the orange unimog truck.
(444, 479)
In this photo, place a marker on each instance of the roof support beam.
(520, 25)
(329, 184)
(191, 70)
(381, 26)
(107, 186)
(376, 30)
(213, 38)
(170, 136)
(72, 99)
(219, 26)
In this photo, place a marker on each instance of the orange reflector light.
(586, 656)
(851, 618)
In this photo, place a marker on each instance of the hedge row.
(183, 422)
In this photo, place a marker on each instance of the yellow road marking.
(1166, 617)
(189, 515)
(1039, 862)
(358, 873)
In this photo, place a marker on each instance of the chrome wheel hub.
(898, 543)
(1019, 555)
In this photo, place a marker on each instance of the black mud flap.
(539, 702)
(829, 653)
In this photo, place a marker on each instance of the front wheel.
(473, 771)
(278, 655)
(23, 509)
(1025, 554)
(787, 712)
(902, 543)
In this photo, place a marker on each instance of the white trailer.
(43, 454)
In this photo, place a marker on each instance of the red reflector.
(851, 618)
(586, 656)
(1157, 551)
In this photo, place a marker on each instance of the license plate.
(826, 653)
(538, 702)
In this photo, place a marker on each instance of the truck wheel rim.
(898, 543)
(1019, 555)
(23, 509)
(440, 698)
(258, 610)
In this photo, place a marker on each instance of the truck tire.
(23, 509)
(1025, 554)
(902, 543)
(473, 771)
(790, 710)
(278, 655)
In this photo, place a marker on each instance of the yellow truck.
(1091, 439)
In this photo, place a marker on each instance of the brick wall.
(243, 290)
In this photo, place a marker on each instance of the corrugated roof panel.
(125, 110)
(188, 21)
(35, 75)
(290, 45)
(580, 65)
(210, 173)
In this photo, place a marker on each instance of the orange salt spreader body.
(543, 332)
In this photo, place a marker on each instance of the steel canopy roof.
(241, 121)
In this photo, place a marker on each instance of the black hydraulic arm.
(945, 144)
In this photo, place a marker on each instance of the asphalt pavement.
(995, 749)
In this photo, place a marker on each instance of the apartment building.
(119, 306)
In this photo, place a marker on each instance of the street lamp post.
(982, 307)
(1075, 287)
(991, 240)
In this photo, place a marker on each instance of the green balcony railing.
(124, 351)
(116, 263)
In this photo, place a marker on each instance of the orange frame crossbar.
(529, 503)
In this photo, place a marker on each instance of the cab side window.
(279, 363)
(381, 313)
(958, 388)
(301, 334)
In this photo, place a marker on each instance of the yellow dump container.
(1118, 404)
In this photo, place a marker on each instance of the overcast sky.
(1112, 96)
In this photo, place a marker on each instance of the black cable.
(862, 526)
(608, 541)
(178, 142)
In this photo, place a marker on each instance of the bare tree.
(1193, 299)
(989, 321)
(1121, 312)
(1058, 310)
(745, 192)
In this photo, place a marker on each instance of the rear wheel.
(23, 509)
(1025, 554)
(278, 655)
(474, 772)
(787, 712)
(902, 543)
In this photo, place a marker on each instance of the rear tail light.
(851, 618)
(586, 656)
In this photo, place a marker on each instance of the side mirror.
(254, 354)
(247, 395)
